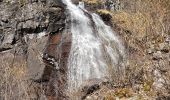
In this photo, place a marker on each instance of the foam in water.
(92, 52)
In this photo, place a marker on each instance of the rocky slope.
(144, 27)
(31, 43)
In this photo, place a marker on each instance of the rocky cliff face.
(29, 31)
(31, 43)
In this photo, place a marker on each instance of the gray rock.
(164, 47)
(157, 55)
(7, 41)
(35, 64)
(88, 90)
(1, 36)
(167, 39)
(56, 20)
(43, 1)
(161, 45)
(158, 80)
(151, 49)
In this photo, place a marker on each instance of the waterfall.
(95, 48)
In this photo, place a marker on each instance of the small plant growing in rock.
(22, 2)
(123, 92)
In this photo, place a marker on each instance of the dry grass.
(149, 16)
(137, 23)
(12, 80)
(103, 11)
(93, 2)
(13, 83)
(22, 2)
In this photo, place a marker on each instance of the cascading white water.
(92, 52)
(112, 44)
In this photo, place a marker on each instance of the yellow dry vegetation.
(22, 2)
(145, 17)
(12, 76)
(18, 72)
(93, 2)
(103, 11)
(137, 23)
(119, 93)
(123, 92)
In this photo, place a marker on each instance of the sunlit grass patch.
(93, 2)
(104, 11)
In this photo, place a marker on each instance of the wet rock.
(55, 56)
(75, 1)
(106, 16)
